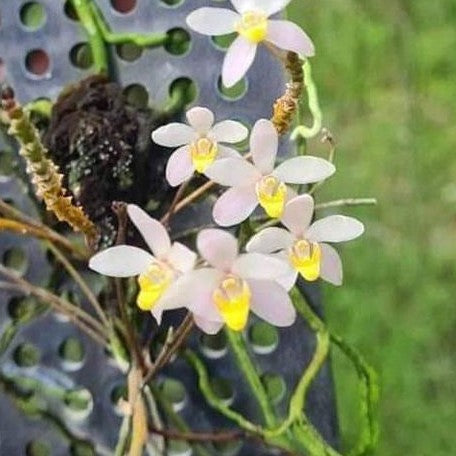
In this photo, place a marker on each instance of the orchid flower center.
(232, 298)
(271, 195)
(152, 284)
(305, 257)
(253, 26)
(203, 151)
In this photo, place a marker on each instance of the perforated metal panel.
(155, 70)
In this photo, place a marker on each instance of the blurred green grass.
(386, 73)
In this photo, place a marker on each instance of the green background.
(387, 82)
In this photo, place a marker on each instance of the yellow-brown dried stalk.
(286, 106)
(43, 172)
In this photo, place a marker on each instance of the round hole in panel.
(224, 41)
(37, 448)
(71, 351)
(178, 448)
(232, 93)
(19, 308)
(16, 258)
(79, 403)
(38, 63)
(172, 3)
(137, 95)
(223, 389)
(275, 386)
(124, 6)
(32, 15)
(26, 355)
(214, 347)
(263, 337)
(179, 41)
(174, 391)
(129, 51)
(81, 56)
(69, 11)
(82, 448)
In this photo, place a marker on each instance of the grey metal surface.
(155, 70)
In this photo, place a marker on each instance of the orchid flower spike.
(234, 284)
(251, 23)
(157, 273)
(304, 244)
(199, 143)
(260, 183)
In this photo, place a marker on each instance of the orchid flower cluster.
(218, 283)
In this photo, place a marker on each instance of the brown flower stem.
(193, 196)
(177, 197)
(221, 436)
(347, 202)
(38, 229)
(81, 283)
(171, 346)
(78, 316)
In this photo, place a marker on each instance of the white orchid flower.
(261, 183)
(157, 273)
(305, 244)
(251, 23)
(199, 144)
(234, 284)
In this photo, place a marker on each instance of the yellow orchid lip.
(253, 26)
(232, 298)
(203, 152)
(152, 284)
(272, 194)
(305, 257)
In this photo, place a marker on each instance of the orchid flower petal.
(219, 248)
(238, 60)
(193, 290)
(208, 326)
(290, 37)
(304, 170)
(121, 261)
(174, 135)
(201, 119)
(152, 231)
(181, 257)
(269, 7)
(212, 21)
(331, 265)
(264, 143)
(229, 131)
(232, 172)
(271, 302)
(258, 266)
(227, 152)
(179, 167)
(270, 240)
(235, 205)
(298, 214)
(335, 228)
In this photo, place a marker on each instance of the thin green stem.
(250, 372)
(314, 107)
(368, 437)
(213, 400)
(141, 40)
(97, 44)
